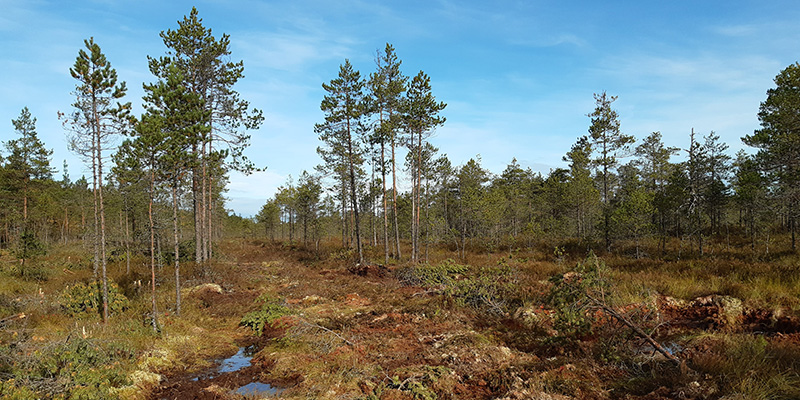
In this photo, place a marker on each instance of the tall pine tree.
(97, 117)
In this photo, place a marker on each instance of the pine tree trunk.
(197, 210)
(357, 222)
(25, 203)
(398, 255)
(345, 234)
(385, 208)
(203, 214)
(177, 248)
(152, 253)
(127, 246)
(103, 259)
(65, 230)
(414, 173)
(419, 196)
(606, 210)
(96, 261)
(427, 217)
(374, 216)
(209, 176)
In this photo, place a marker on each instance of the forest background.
(514, 76)
(177, 157)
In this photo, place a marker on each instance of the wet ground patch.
(238, 375)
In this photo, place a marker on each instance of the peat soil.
(358, 332)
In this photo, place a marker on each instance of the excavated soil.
(390, 326)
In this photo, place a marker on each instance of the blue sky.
(518, 76)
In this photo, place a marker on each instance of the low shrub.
(29, 246)
(33, 271)
(86, 299)
(568, 296)
(76, 368)
(270, 312)
(486, 289)
(431, 275)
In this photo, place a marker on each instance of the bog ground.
(511, 325)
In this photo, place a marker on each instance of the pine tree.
(421, 114)
(655, 166)
(97, 117)
(202, 59)
(269, 216)
(180, 115)
(610, 144)
(344, 108)
(696, 172)
(387, 85)
(718, 167)
(778, 142)
(634, 215)
(307, 198)
(27, 163)
(750, 187)
(139, 158)
(579, 189)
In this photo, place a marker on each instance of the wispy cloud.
(290, 52)
(736, 31)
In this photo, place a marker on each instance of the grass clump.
(751, 366)
(270, 312)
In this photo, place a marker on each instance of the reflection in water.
(235, 362)
(239, 361)
(257, 389)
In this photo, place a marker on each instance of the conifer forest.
(638, 270)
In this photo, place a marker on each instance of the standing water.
(238, 361)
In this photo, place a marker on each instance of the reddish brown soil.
(489, 356)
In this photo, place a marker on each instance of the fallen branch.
(318, 326)
(12, 318)
(621, 318)
(434, 290)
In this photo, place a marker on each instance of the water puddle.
(257, 389)
(233, 363)
(236, 362)
(671, 347)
